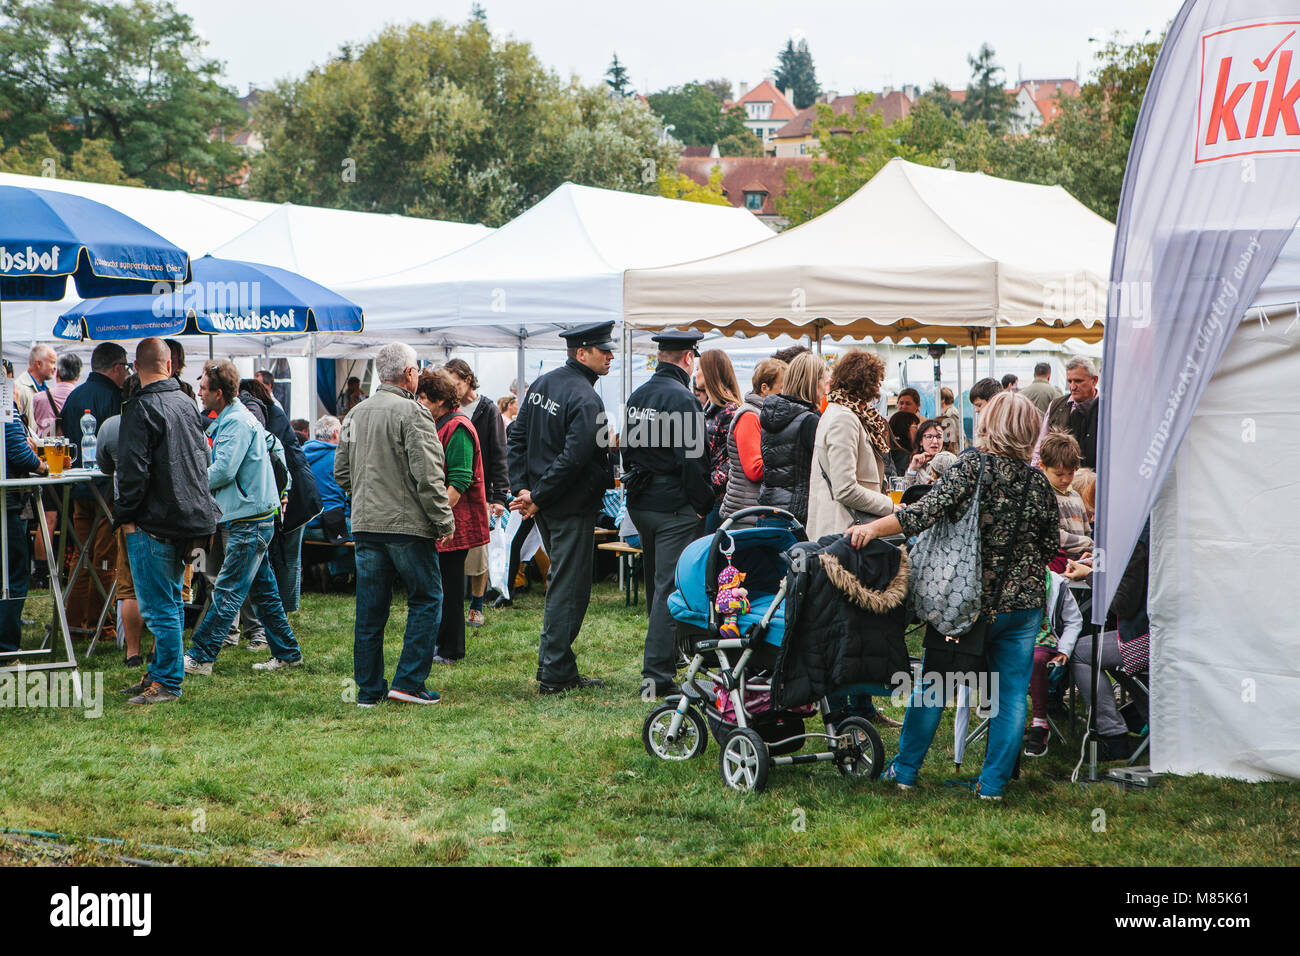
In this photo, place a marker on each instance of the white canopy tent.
(1225, 538)
(558, 265)
(915, 254)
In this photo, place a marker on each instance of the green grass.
(279, 768)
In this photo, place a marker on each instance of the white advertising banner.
(1210, 198)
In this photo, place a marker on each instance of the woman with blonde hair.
(1018, 534)
(789, 421)
(719, 380)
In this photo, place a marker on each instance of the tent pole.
(993, 351)
(521, 367)
(961, 406)
(313, 400)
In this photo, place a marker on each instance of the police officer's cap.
(596, 336)
(671, 340)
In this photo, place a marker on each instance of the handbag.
(1135, 654)
(966, 652)
(946, 583)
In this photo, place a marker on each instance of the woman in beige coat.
(848, 470)
(847, 484)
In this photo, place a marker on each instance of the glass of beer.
(58, 454)
(896, 490)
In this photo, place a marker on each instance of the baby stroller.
(728, 681)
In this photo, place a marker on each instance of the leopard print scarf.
(875, 424)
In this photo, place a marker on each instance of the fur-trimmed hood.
(876, 601)
(846, 611)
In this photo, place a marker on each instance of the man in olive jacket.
(390, 462)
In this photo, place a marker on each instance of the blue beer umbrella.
(46, 236)
(224, 296)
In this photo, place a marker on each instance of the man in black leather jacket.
(164, 506)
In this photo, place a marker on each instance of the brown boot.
(155, 693)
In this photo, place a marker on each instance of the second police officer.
(560, 467)
(666, 474)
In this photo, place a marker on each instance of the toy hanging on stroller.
(756, 689)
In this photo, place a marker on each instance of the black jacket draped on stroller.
(851, 612)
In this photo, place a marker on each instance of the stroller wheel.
(858, 750)
(691, 738)
(744, 762)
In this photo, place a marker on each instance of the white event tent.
(1225, 536)
(557, 265)
(917, 253)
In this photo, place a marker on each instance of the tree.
(676, 185)
(93, 162)
(855, 146)
(694, 110)
(445, 121)
(987, 100)
(720, 88)
(616, 78)
(795, 72)
(741, 144)
(132, 75)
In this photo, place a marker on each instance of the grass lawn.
(280, 768)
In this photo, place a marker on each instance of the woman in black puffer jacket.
(789, 421)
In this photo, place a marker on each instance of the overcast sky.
(856, 44)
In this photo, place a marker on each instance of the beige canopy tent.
(918, 253)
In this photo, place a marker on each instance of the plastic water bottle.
(88, 440)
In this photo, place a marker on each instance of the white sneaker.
(257, 645)
(194, 667)
(275, 664)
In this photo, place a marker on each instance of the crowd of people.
(417, 473)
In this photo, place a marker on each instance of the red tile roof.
(890, 106)
(763, 93)
(742, 174)
(694, 152)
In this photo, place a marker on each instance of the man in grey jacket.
(390, 462)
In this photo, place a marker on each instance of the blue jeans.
(245, 574)
(1010, 649)
(381, 559)
(11, 611)
(158, 571)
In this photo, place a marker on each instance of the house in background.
(766, 108)
(796, 137)
(751, 182)
(1036, 102)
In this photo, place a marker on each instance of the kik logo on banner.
(1248, 97)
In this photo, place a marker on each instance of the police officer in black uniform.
(560, 467)
(666, 474)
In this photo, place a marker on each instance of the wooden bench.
(629, 567)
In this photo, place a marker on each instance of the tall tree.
(987, 100)
(132, 74)
(795, 72)
(616, 78)
(446, 121)
(694, 110)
